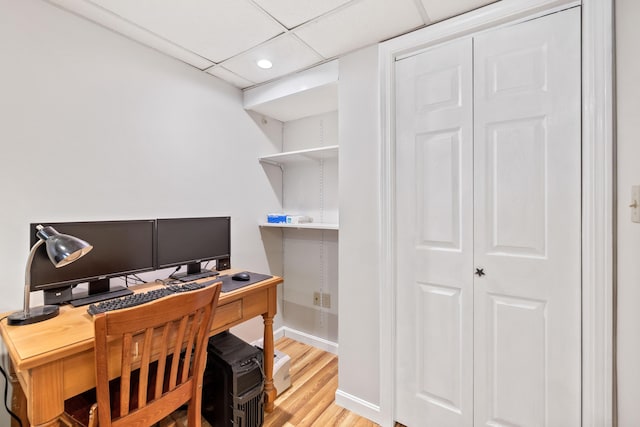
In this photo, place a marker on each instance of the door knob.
(480, 272)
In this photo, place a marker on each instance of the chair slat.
(162, 360)
(175, 363)
(125, 373)
(189, 348)
(144, 368)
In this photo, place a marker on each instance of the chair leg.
(193, 415)
(65, 421)
(93, 415)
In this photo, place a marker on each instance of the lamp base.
(36, 314)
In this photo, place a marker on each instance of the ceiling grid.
(226, 38)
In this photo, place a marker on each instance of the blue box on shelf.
(276, 218)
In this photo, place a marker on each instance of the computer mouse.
(244, 276)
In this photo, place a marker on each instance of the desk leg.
(269, 389)
(45, 400)
(18, 399)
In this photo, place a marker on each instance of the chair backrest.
(156, 354)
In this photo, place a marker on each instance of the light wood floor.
(310, 399)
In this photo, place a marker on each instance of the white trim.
(312, 340)
(505, 12)
(387, 295)
(278, 333)
(358, 406)
(302, 337)
(597, 213)
(598, 173)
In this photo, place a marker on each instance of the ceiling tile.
(439, 10)
(108, 19)
(292, 13)
(361, 24)
(215, 29)
(229, 77)
(286, 52)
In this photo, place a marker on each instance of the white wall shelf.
(317, 154)
(308, 226)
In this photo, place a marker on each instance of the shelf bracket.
(272, 163)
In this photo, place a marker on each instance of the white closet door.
(527, 223)
(434, 201)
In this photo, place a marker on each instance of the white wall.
(95, 126)
(359, 246)
(628, 233)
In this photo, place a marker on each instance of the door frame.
(598, 338)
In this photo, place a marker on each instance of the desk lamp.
(62, 250)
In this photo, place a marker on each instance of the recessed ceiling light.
(264, 64)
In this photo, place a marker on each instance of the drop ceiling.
(226, 38)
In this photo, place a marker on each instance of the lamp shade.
(62, 249)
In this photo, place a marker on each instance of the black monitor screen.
(192, 240)
(119, 248)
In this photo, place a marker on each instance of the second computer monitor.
(191, 241)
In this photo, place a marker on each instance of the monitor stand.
(194, 272)
(99, 290)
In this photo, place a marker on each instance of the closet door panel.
(434, 202)
(527, 223)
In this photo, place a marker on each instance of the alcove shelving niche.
(307, 105)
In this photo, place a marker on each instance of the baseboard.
(278, 333)
(311, 340)
(358, 406)
(303, 337)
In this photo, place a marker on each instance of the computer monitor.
(191, 241)
(119, 248)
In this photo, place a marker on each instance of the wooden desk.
(54, 359)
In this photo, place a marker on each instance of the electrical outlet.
(326, 300)
(322, 300)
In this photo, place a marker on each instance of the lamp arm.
(27, 278)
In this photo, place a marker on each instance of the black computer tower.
(233, 383)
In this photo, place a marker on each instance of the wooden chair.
(155, 355)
